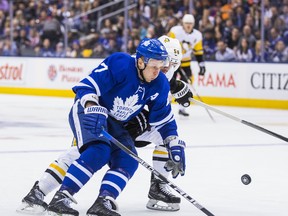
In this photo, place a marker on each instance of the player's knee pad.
(121, 160)
(95, 156)
(69, 156)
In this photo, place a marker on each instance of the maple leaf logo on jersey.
(122, 110)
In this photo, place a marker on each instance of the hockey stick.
(194, 90)
(156, 173)
(240, 120)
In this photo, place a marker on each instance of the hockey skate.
(60, 204)
(33, 202)
(183, 112)
(161, 198)
(103, 206)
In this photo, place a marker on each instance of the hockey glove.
(138, 125)
(202, 69)
(182, 93)
(176, 149)
(95, 119)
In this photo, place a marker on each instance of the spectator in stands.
(2, 22)
(274, 14)
(151, 32)
(47, 50)
(238, 17)
(226, 10)
(233, 41)
(112, 47)
(280, 53)
(76, 52)
(143, 29)
(85, 50)
(244, 53)
(52, 30)
(132, 45)
(219, 25)
(144, 9)
(227, 30)
(24, 41)
(247, 34)
(60, 52)
(257, 54)
(99, 51)
(209, 44)
(34, 37)
(9, 49)
(224, 53)
(280, 25)
(104, 37)
(274, 37)
(37, 50)
(284, 16)
(162, 15)
(173, 21)
(159, 29)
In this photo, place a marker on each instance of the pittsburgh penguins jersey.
(116, 84)
(190, 42)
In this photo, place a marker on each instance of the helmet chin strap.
(141, 72)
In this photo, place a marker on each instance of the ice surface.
(35, 130)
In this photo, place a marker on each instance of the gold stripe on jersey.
(171, 34)
(198, 48)
(158, 152)
(185, 62)
(58, 168)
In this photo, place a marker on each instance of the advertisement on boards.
(243, 80)
(12, 72)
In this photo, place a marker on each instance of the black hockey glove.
(202, 69)
(176, 150)
(138, 125)
(182, 93)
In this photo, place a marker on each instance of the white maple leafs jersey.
(116, 83)
(191, 43)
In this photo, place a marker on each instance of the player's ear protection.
(141, 64)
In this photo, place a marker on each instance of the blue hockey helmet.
(152, 49)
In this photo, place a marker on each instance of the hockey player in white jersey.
(54, 174)
(191, 42)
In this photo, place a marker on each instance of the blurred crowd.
(231, 28)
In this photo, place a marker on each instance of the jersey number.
(104, 67)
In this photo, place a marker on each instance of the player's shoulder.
(176, 29)
(120, 56)
(197, 34)
(120, 60)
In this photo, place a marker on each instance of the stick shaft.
(240, 120)
(210, 115)
(194, 90)
(155, 172)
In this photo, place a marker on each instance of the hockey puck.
(246, 179)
